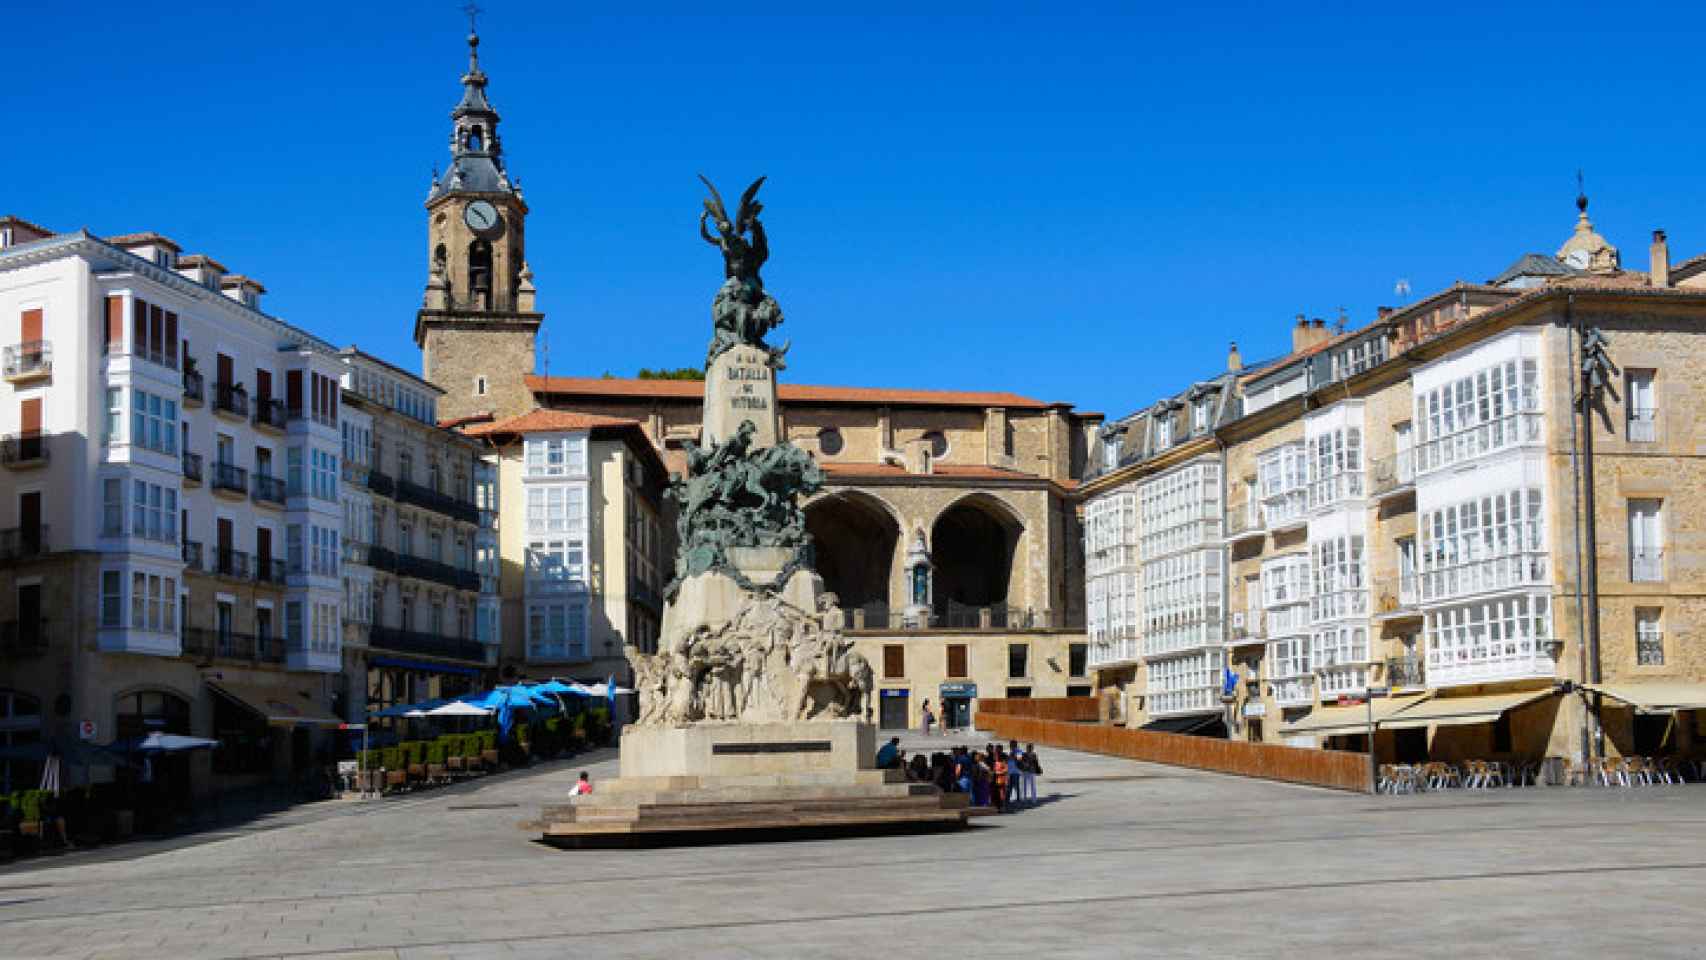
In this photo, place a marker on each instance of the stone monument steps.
(690, 809)
(713, 818)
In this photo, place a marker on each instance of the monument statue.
(748, 634)
(742, 312)
(754, 711)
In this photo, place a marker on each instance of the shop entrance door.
(895, 710)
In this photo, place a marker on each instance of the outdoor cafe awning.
(1655, 696)
(1333, 721)
(1458, 711)
(286, 708)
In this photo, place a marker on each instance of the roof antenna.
(1339, 327)
(545, 350)
(1402, 290)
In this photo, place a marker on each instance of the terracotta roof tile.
(455, 422)
(543, 421)
(238, 280)
(21, 222)
(138, 239)
(612, 387)
(200, 260)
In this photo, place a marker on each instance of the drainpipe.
(1590, 535)
(1586, 744)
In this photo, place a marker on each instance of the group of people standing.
(1003, 778)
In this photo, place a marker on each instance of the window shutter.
(29, 417)
(139, 326)
(263, 385)
(171, 339)
(156, 331)
(115, 323)
(956, 660)
(894, 660)
(30, 326)
(293, 390)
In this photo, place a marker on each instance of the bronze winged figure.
(742, 258)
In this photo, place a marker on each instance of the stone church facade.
(947, 514)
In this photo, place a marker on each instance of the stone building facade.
(1402, 518)
(944, 511)
(584, 549)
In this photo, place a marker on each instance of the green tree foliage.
(679, 373)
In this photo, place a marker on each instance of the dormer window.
(164, 258)
(1163, 432)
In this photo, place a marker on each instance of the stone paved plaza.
(1124, 859)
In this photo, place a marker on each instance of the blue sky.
(1071, 204)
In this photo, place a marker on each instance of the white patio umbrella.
(50, 774)
(457, 708)
(601, 689)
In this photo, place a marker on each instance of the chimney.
(1234, 360)
(1300, 335)
(1383, 312)
(1661, 260)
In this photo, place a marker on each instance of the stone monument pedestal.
(764, 778)
(751, 704)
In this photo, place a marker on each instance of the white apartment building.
(1482, 502)
(1179, 513)
(1114, 580)
(1155, 557)
(420, 518)
(586, 547)
(171, 481)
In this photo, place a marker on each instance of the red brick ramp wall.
(1339, 770)
(1080, 709)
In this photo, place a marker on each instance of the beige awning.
(1457, 711)
(1655, 696)
(1333, 721)
(286, 707)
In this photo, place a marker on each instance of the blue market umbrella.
(557, 687)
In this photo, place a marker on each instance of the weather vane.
(473, 11)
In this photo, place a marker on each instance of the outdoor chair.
(1611, 772)
(1442, 775)
(1672, 770)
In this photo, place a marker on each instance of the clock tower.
(477, 322)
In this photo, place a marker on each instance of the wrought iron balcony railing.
(229, 476)
(268, 489)
(230, 399)
(32, 358)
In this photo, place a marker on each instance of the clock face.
(482, 218)
(1578, 259)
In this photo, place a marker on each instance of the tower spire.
(476, 151)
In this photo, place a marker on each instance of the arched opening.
(972, 545)
(480, 273)
(20, 725)
(476, 137)
(440, 259)
(855, 536)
